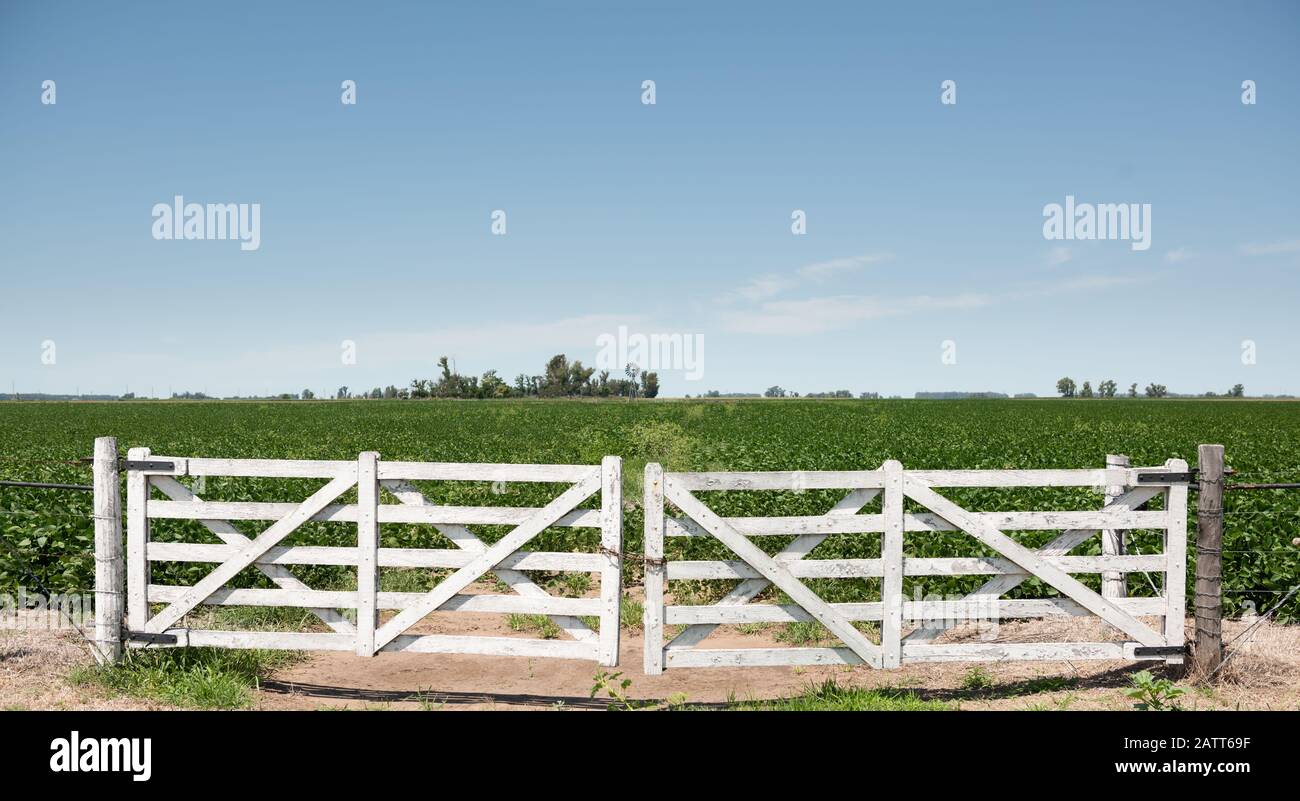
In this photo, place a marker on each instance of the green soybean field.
(48, 534)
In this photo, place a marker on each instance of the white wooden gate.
(471, 559)
(1129, 489)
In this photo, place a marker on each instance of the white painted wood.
(774, 572)
(340, 599)
(847, 507)
(759, 657)
(388, 557)
(806, 568)
(470, 471)
(654, 569)
(110, 576)
(137, 542)
(1175, 587)
(268, 468)
(611, 543)
(248, 554)
(233, 537)
(789, 480)
(912, 652)
(891, 555)
(915, 566)
(989, 652)
(423, 644)
(1063, 544)
(482, 562)
(1020, 478)
(912, 610)
(388, 513)
(367, 551)
(493, 646)
(921, 522)
(1031, 561)
(270, 640)
(468, 541)
(230, 596)
(1113, 583)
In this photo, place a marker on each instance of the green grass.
(543, 625)
(198, 678)
(831, 696)
(977, 680)
(631, 613)
(804, 633)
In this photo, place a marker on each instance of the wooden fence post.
(891, 554)
(1208, 651)
(611, 543)
(654, 569)
(137, 542)
(110, 586)
(1114, 584)
(367, 551)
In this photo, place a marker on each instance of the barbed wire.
(31, 574)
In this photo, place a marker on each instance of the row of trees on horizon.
(562, 379)
(1066, 388)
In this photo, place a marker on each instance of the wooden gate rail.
(470, 560)
(755, 570)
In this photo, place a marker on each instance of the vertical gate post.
(137, 542)
(367, 551)
(1114, 584)
(891, 554)
(1208, 650)
(110, 586)
(1175, 617)
(654, 569)
(611, 544)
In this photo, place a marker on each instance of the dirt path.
(1267, 677)
(35, 665)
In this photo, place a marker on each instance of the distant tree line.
(561, 379)
(1066, 388)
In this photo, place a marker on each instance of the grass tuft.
(830, 696)
(198, 678)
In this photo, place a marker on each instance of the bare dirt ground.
(34, 666)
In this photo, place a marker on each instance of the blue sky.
(924, 220)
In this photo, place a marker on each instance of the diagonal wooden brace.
(485, 561)
(467, 540)
(231, 535)
(1067, 541)
(250, 553)
(776, 573)
(1031, 562)
(747, 590)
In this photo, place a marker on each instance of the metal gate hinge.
(1158, 650)
(156, 467)
(1167, 478)
(155, 639)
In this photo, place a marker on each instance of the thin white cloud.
(1271, 248)
(771, 285)
(838, 312)
(822, 270)
(764, 287)
(1178, 255)
(819, 315)
(1058, 256)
